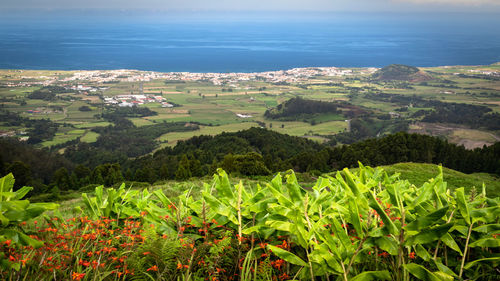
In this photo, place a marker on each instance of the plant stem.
(343, 269)
(240, 187)
(465, 251)
(400, 268)
(306, 202)
(355, 254)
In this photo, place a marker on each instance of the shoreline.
(241, 72)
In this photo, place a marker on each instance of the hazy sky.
(264, 5)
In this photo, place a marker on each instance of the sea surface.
(247, 46)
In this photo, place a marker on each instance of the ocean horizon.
(229, 45)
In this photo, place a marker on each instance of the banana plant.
(14, 210)
(119, 203)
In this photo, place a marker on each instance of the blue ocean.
(248, 46)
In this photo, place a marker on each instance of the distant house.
(244, 115)
(126, 104)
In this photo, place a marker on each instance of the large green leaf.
(355, 217)
(223, 185)
(493, 261)
(349, 177)
(388, 244)
(294, 189)
(388, 224)
(6, 184)
(286, 255)
(421, 272)
(488, 242)
(429, 235)
(20, 238)
(428, 220)
(372, 275)
(220, 208)
(20, 193)
(463, 207)
(281, 225)
(450, 242)
(321, 255)
(487, 228)
(422, 252)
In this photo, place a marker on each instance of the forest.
(247, 153)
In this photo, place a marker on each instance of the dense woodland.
(296, 108)
(48, 93)
(250, 152)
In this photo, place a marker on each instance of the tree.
(61, 179)
(82, 174)
(183, 172)
(21, 172)
(84, 108)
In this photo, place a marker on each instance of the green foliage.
(14, 210)
(363, 225)
(396, 72)
(296, 108)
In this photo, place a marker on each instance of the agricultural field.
(229, 102)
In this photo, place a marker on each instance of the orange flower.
(77, 276)
(153, 268)
(412, 255)
(179, 266)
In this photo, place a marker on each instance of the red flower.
(412, 255)
(153, 268)
(77, 276)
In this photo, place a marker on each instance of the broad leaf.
(372, 275)
(286, 255)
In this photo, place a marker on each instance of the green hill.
(400, 72)
(418, 173)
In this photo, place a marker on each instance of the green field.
(215, 106)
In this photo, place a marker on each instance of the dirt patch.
(173, 92)
(460, 135)
(92, 99)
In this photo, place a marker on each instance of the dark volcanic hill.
(401, 72)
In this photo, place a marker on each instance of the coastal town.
(76, 78)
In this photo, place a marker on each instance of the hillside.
(419, 173)
(402, 73)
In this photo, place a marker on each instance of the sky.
(478, 6)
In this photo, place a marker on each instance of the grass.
(419, 173)
(89, 137)
(473, 135)
(174, 137)
(93, 124)
(296, 128)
